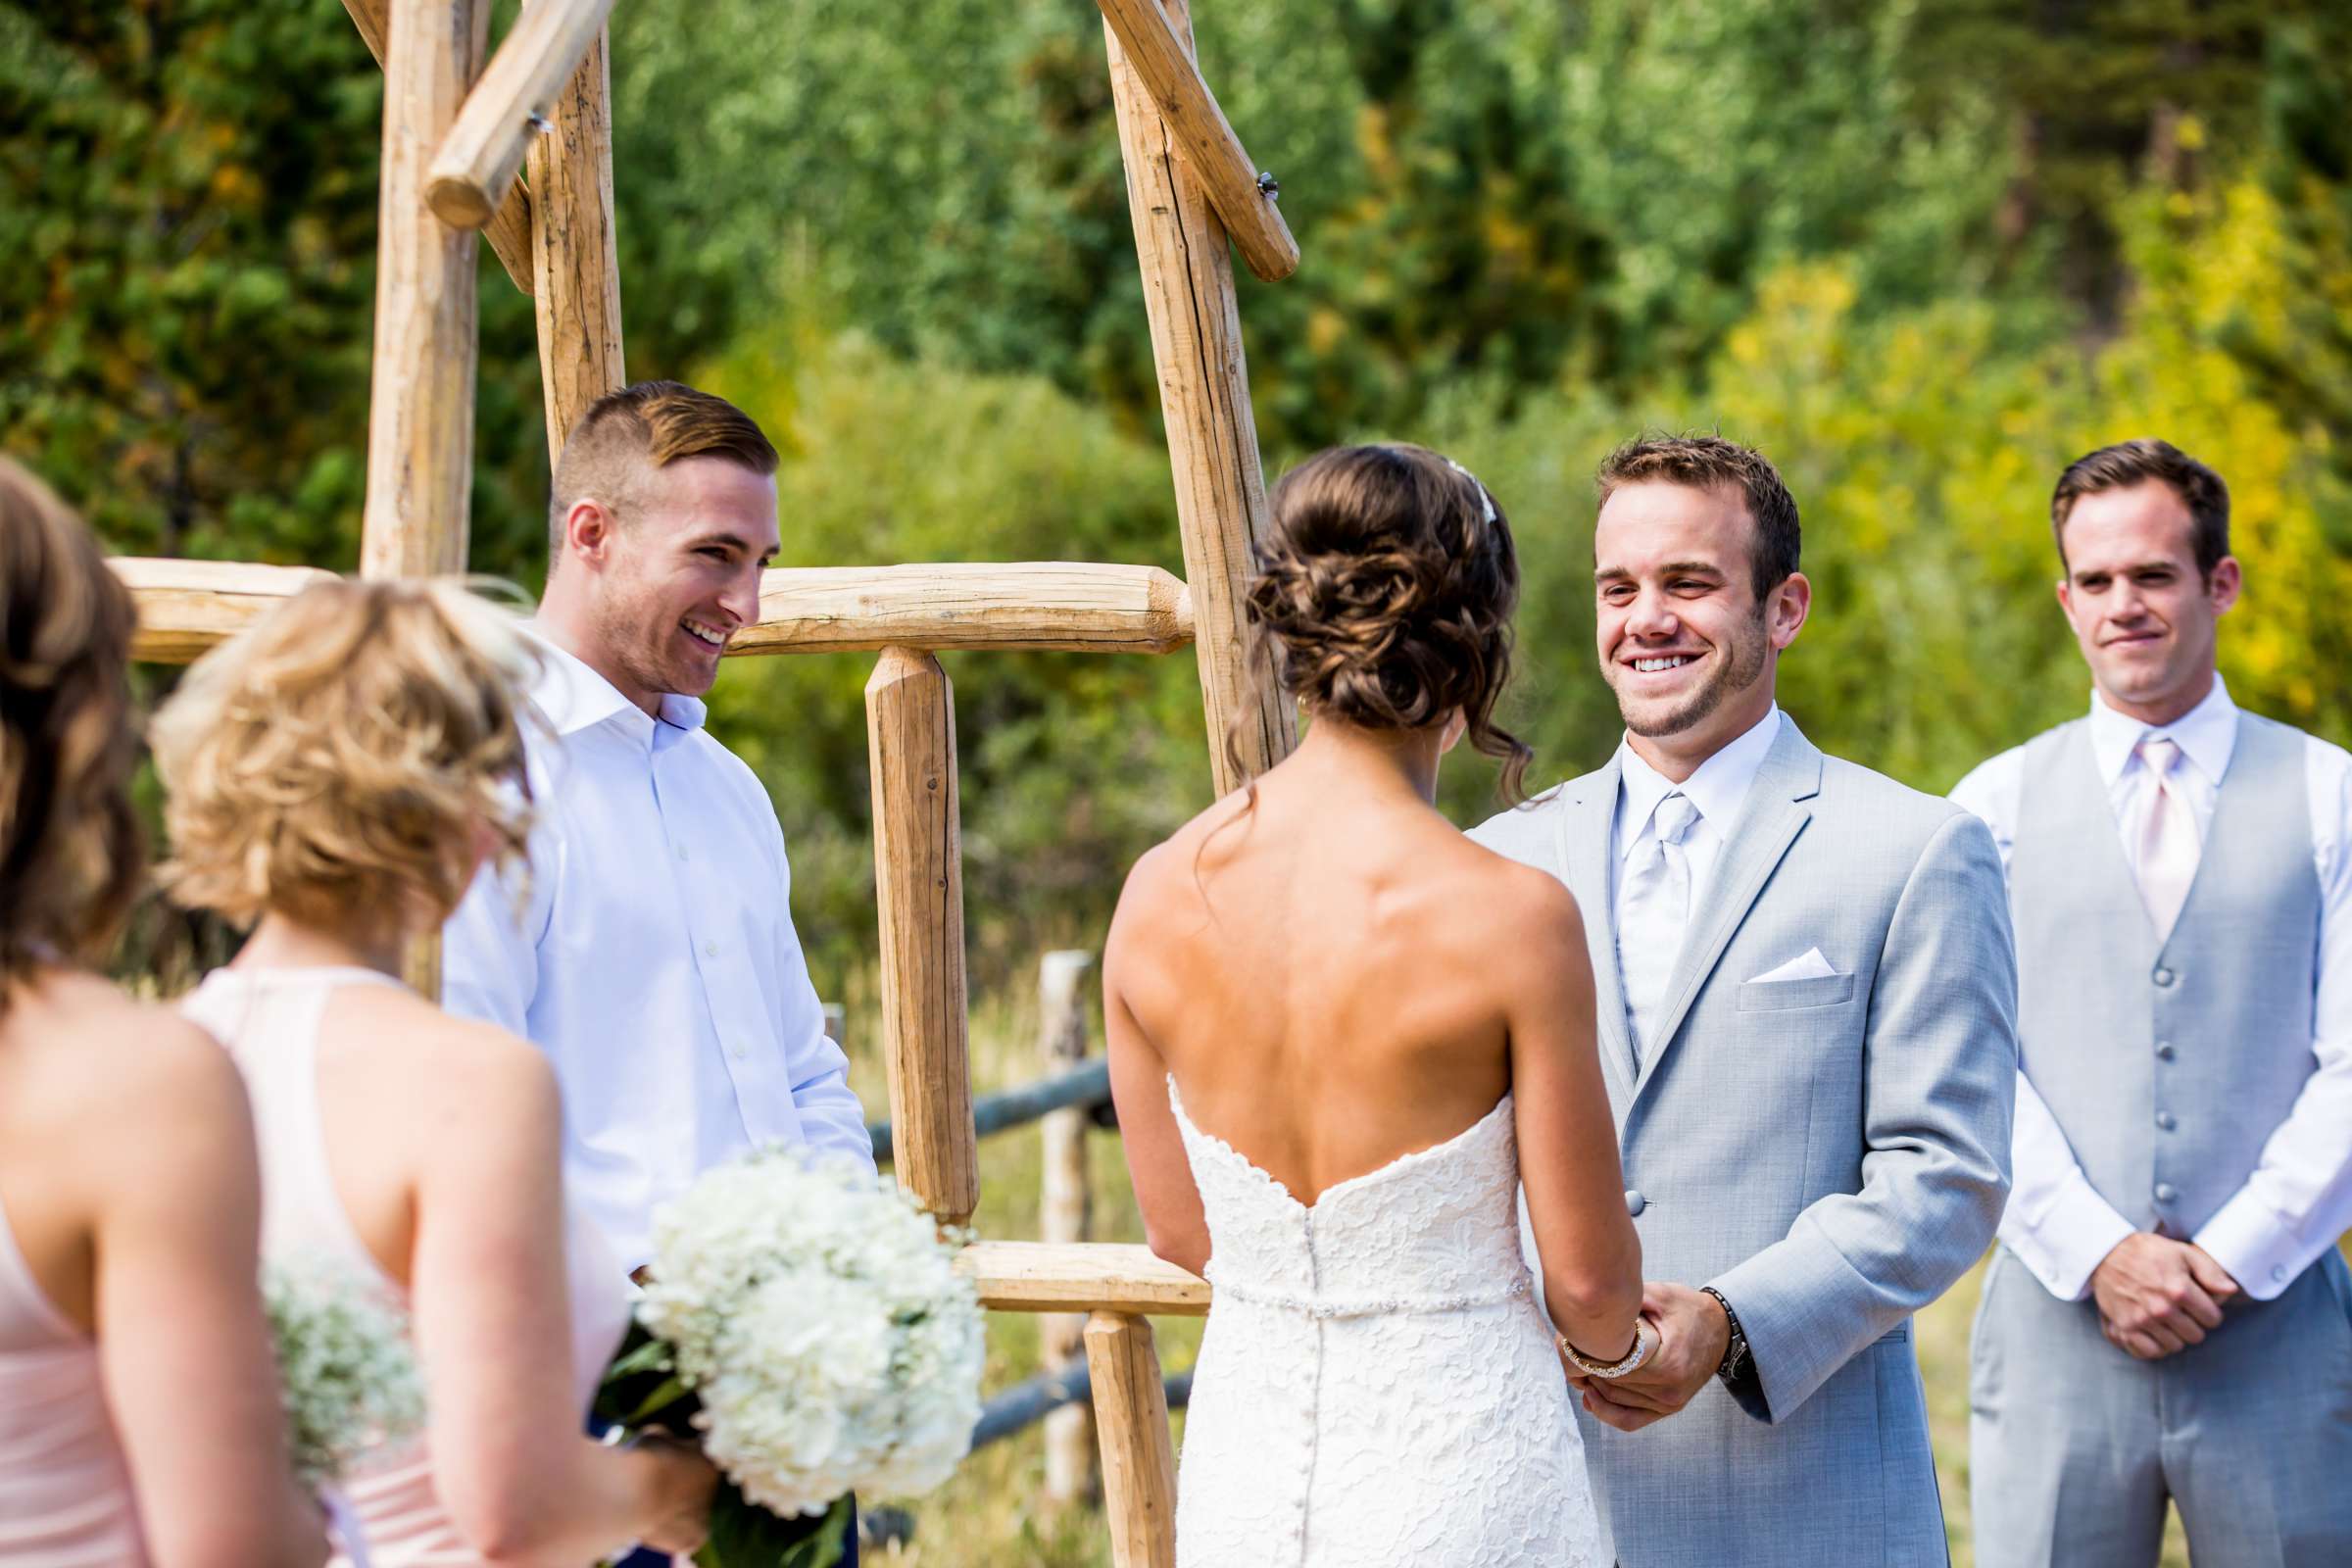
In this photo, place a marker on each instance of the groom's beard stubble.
(1742, 664)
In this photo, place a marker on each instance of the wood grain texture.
(576, 267)
(509, 230)
(1065, 1215)
(918, 886)
(1076, 606)
(420, 399)
(1093, 1277)
(1139, 1453)
(187, 606)
(1162, 60)
(476, 162)
(1212, 436)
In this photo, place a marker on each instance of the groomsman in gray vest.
(2167, 1315)
(1807, 1003)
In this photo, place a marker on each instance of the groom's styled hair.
(2129, 464)
(647, 424)
(1705, 462)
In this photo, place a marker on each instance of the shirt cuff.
(2248, 1240)
(2065, 1244)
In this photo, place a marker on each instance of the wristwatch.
(1735, 1354)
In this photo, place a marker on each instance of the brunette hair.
(1383, 595)
(334, 762)
(70, 851)
(647, 424)
(2131, 463)
(1705, 462)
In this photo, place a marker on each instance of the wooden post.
(509, 230)
(1064, 1209)
(1139, 1455)
(476, 162)
(575, 267)
(1204, 394)
(918, 885)
(421, 402)
(1162, 60)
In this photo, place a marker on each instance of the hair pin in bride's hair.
(1484, 499)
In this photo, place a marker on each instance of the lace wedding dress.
(1375, 1383)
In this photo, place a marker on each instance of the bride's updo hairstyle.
(1383, 595)
(340, 762)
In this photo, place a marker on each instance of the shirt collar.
(1718, 788)
(2207, 734)
(573, 697)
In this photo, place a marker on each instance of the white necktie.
(2167, 862)
(1652, 915)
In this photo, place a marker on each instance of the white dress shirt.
(2298, 1199)
(653, 957)
(1718, 788)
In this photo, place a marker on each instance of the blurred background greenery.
(1922, 252)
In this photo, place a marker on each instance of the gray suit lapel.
(1587, 827)
(1775, 815)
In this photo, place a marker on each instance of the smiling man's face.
(2142, 611)
(684, 575)
(1684, 641)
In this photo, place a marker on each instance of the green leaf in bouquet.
(640, 1390)
(744, 1535)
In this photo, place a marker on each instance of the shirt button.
(736, 1050)
(709, 950)
(2164, 977)
(1634, 1202)
(2165, 1193)
(2278, 1272)
(682, 851)
(2163, 1119)
(2163, 1050)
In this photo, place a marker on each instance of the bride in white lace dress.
(1342, 1034)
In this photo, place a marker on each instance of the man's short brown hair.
(647, 424)
(2134, 463)
(1703, 463)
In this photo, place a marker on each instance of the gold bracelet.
(1645, 1342)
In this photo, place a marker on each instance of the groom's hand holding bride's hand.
(1693, 1336)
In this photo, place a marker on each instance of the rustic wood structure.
(520, 154)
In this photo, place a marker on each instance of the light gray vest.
(2167, 1067)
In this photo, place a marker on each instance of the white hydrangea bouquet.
(806, 1326)
(347, 1373)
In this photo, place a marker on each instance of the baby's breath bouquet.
(806, 1325)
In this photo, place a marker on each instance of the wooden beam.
(918, 887)
(1162, 60)
(187, 606)
(1093, 1277)
(476, 162)
(1212, 437)
(509, 230)
(420, 400)
(1077, 608)
(576, 265)
(1139, 1454)
(1065, 1212)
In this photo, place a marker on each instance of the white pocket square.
(1812, 966)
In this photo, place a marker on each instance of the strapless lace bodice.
(1375, 1384)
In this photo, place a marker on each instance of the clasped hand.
(1693, 1335)
(2157, 1296)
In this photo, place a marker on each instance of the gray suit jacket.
(1830, 1153)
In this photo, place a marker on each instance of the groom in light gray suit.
(1807, 996)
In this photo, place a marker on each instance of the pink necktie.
(2168, 837)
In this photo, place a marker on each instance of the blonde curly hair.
(339, 762)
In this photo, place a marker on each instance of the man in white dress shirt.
(653, 957)
(2167, 1316)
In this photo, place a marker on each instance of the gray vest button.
(2164, 977)
(2163, 1050)
(2163, 1119)
(1634, 1202)
(2165, 1192)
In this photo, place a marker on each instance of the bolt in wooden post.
(575, 267)
(1139, 1454)
(918, 884)
(1204, 394)
(1064, 1209)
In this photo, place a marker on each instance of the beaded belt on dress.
(1339, 1306)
